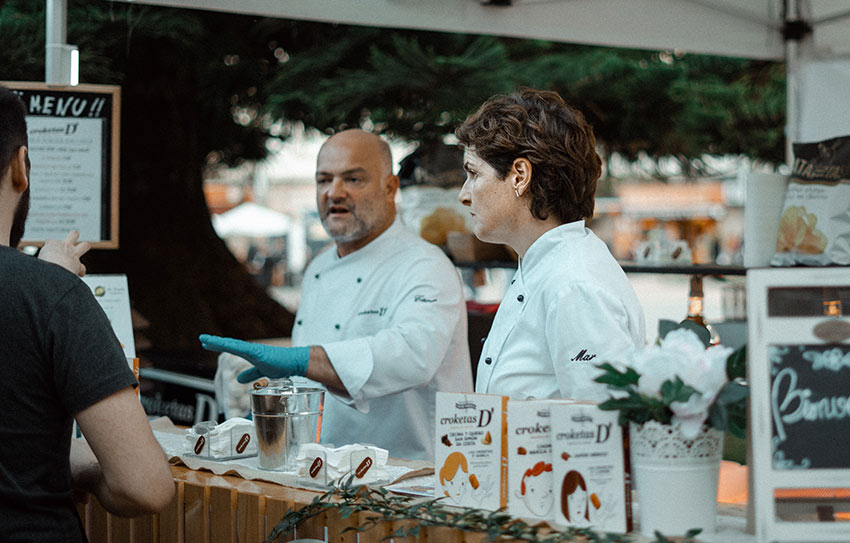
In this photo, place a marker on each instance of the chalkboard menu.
(798, 368)
(73, 147)
(810, 405)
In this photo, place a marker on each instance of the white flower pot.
(675, 478)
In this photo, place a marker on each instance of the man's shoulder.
(29, 273)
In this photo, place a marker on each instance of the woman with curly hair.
(532, 169)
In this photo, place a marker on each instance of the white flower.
(655, 365)
(690, 415)
(682, 354)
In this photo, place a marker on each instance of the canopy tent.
(741, 28)
(797, 31)
(251, 220)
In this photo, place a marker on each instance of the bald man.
(382, 319)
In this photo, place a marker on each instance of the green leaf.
(669, 390)
(738, 425)
(665, 327)
(732, 393)
(701, 331)
(736, 364)
(692, 533)
(718, 417)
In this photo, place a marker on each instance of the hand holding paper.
(66, 253)
(274, 362)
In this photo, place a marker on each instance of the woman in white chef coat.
(532, 169)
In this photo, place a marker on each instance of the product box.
(470, 462)
(530, 459)
(590, 481)
(234, 438)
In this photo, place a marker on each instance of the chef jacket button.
(513, 281)
(359, 279)
(488, 360)
(298, 322)
(520, 298)
(336, 326)
(317, 276)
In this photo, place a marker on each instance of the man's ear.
(521, 170)
(393, 183)
(20, 176)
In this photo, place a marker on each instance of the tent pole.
(794, 21)
(59, 57)
(791, 121)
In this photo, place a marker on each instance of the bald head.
(363, 144)
(355, 188)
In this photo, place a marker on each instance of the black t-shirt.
(58, 356)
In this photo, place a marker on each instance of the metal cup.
(284, 418)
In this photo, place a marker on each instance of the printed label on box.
(530, 459)
(470, 461)
(590, 481)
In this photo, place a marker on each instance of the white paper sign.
(67, 168)
(113, 295)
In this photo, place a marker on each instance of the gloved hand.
(274, 362)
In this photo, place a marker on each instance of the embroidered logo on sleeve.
(423, 299)
(582, 356)
(379, 312)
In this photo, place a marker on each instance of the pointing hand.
(274, 362)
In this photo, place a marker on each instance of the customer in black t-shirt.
(60, 360)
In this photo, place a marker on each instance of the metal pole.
(56, 67)
(795, 46)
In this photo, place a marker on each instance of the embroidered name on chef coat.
(582, 356)
(423, 299)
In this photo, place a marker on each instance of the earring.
(516, 191)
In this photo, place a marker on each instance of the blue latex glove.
(274, 362)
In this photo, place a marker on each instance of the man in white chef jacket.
(382, 318)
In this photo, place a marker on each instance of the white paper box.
(470, 464)
(590, 485)
(530, 459)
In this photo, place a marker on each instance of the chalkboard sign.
(810, 405)
(798, 365)
(73, 147)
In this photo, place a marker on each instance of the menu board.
(810, 405)
(798, 368)
(73, 147)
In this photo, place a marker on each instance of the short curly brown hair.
(555, 138)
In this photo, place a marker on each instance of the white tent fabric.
(252, 221)
(741, 28)
(824, 99)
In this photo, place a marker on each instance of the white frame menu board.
(74, 140)
(798, 359)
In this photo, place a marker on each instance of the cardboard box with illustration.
(470, 461)
(591, 484)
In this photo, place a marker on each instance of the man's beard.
(20, 220)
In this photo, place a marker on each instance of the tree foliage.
(419, 85)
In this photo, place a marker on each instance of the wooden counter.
(210, 508)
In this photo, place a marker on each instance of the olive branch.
(382, 506)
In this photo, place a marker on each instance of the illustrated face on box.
(574, 498)
(454, 476)
(537, 489)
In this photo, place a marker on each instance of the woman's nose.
(465, 196)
